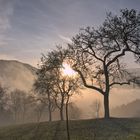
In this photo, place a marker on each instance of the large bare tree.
(97, 53)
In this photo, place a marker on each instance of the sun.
(67, 70)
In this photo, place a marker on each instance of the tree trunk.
(49, 108)
(50, 117)
(61, 114)
(50, 113)
(23, 117)
(15, 117)
(106, 106)
(67, 119)
(61, 109)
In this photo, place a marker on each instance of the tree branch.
(113, 51)
(133, 80)
(120, 83)
(118, 56)
(88, 86)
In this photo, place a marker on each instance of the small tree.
(2, 98)
(19, 103)
(97, 53)
(39, 109)
(74, 111)
(26, 102)
(15, 103)
(96, 106)
(4, 110)
(43, 86)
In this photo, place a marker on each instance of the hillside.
(129, 110)
(114, 129)
(14, 74)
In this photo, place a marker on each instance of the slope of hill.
(129, 110)
(113, 129)
(14, 74)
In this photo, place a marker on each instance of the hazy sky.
(30, 27)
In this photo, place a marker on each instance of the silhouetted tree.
(74, 111)
(19, 102)
(96, 106)
(15, 98)
(39, 109)
(62, 85)
(26, 102)
(4, 110)
(2, 98)
(96, 53)
(43, 85)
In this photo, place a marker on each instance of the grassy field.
(113, 129)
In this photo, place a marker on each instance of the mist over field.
(14, 74)
(17, 75)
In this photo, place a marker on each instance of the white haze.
(14, 74)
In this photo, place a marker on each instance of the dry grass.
(113, 129)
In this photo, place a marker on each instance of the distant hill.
(131, 109)
(14, 74)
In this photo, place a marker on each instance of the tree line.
(18, 106)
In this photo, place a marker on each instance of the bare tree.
(74, 111)
(43, 86)
(26, 101)
(96, 106)
(2, 95)
(61, 84)
(19, 103)
(39, 109)
(15, 103)
(4, 110)
(96, 53)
